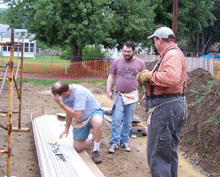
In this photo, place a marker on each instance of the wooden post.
(21, 75)
(10, 99)
(65, 68)
(175, 18)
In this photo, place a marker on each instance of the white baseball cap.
(163, 32)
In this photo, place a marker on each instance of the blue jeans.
(121, 121)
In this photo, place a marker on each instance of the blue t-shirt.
(81, 99)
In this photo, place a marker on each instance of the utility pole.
(175, 17)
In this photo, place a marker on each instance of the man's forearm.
(109, 83)
(68, 122)
(69, 111)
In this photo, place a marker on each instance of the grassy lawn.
(53, 65)
(39, 59)
(43, 65)
(47, 82)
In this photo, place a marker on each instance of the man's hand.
(143, 99)
(64, 132)
(58, 99)
(144, 76)
(109, 94)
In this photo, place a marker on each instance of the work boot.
(97, 158)
(112, 148)
(126, 147)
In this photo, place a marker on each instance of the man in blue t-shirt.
(82, 112)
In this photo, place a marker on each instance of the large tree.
(211, 35)
(62, 22)
(133, 20)
(81, 22)
(193, 18)
(2, 10)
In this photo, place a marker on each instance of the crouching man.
(82, 112)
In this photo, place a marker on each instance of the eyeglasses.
(125, 51)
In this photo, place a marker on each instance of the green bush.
(93, 53)
(88, 53)
(66, 53)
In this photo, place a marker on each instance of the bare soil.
(24, 157)
(200, 141)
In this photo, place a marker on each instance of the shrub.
(93, 53)
(65, 54)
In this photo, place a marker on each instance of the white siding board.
(46, 129)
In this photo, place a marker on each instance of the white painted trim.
(46, 129)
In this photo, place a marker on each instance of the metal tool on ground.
(55, 147)
(135, 121)
(113, 107)
(110, 112)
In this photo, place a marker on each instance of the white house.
(20, 36)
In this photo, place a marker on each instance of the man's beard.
(129, 58)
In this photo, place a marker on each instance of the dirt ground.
(36, 97)
(134, 164)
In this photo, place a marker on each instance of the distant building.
(20, 36)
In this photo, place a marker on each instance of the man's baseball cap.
(163, 32)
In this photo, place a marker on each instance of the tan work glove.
(144, 76)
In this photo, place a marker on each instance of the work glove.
(144, 76)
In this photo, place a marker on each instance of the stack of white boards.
(56, 158)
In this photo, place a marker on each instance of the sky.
(2, 5)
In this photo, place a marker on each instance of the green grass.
(48, 82)
(194, 141)
(40, 59)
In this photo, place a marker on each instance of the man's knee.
(97, 122)
(77, 147)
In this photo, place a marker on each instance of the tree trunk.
(197, 44)
(206, 44)
(203, 44)
(74, 53)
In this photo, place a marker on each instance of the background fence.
(212, 65)
(88, 70)
(98, 69)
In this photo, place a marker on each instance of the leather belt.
(165, 96)
(117, 91)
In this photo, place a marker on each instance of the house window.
(17, 48)
(26, 47)
(5, 48)
(31, 47)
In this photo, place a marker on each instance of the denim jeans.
(164, 136)
(121, 121)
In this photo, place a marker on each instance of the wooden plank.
(16, 129)
(89, 162)
(61, 116)
(5, 43)
(37, 114)
(2, 126)
(3, 115)
(107, 121)
(3, 151)
(1, 79)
